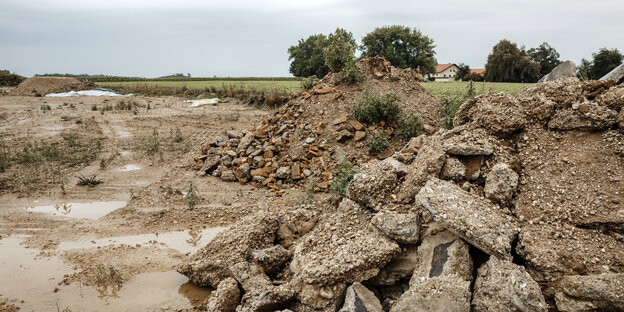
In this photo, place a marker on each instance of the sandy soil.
(125, 243)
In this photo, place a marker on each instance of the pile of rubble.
(315, 130)
(518, 208)
(40, 86)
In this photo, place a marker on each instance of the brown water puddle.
(183, 241)
(29, 281)
(93, 210)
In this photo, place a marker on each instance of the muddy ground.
(61, 246)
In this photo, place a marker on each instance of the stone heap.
(315, 130)
(517, 208)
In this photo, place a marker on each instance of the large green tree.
(340, 50)
(307, 57)
(546, 56)
(508, 63)
(402, 46)
(605, 61)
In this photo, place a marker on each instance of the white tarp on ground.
(94, 92)
(196, 103)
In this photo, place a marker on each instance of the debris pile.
(40, 86)
(315, 130)
(519, 207)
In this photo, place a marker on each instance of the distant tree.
(307, 58)
(508, 63)
(605, 61)
(340, 51)
(473, 77)
(584, 70)
(546, 56)
(463, 71)
(402, 46)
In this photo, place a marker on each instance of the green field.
(442, 89)
(256, 85)
(438, 89)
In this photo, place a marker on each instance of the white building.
(445, 72)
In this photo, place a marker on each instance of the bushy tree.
(601, 64)
(584, 70)
(308, 58)
(605, 61)
(546, 56)
(340, 50)
(508, 63)
(473, 77)
(402, 46)
(10, 80)
(463, 71)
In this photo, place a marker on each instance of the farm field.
(255, 85)
(438, 89)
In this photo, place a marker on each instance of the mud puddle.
(183, 241)
(53, 129)
(32, 283)
(92, 210)
(123, 134)
(130, 168)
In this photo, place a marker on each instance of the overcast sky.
(151, 38)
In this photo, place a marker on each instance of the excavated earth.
(308, 136)
(518, 208)
(40, 86)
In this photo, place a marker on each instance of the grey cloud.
(251, 38)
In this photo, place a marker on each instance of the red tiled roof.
(442, 67)
(479, 71)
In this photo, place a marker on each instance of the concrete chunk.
(471, 217)
(600, 292)
(504, 286)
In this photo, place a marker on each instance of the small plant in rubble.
(410, 126)
(310, 197)
(378, 143)
(343, 174)
(191, 196)
(309, 82)
(371, 107)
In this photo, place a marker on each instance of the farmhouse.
(445, 72)
(448, 72)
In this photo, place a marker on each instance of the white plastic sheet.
(94, 92)
(196, 103)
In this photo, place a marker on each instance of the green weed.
(192, 197)
(378, 143)
(343, 174)
(371, 107)
(410, 126)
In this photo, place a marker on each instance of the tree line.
(408, 47)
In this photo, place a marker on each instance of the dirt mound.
(40, 86)
(315, 130)
(522, 199)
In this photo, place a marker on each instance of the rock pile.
(40, 86)
(565, 69)
(508, 211)
(315, 130)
